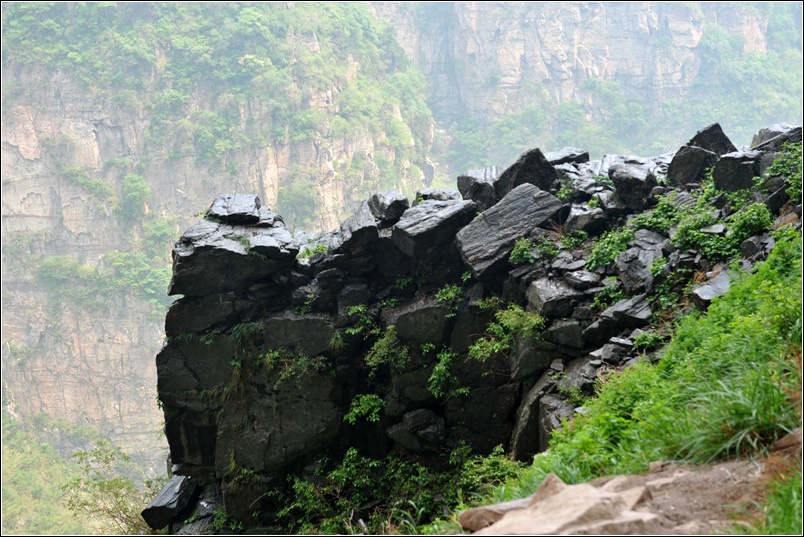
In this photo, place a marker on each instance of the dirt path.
(671, 499)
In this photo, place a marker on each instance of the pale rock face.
(494, 58)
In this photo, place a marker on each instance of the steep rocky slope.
(475, 318)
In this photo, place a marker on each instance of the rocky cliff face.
(489, 59)
(425, 326)
(95, 368)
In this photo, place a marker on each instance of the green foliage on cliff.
(727, 385)
(218, 79)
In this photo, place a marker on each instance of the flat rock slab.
(670, 499)
(704, 293)
(215, 258)
(487, 241)
(430, 225)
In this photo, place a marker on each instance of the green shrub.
(366, 406)
(522, 252)
(511, 321)
(608, 247)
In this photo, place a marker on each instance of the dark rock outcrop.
(266, 352)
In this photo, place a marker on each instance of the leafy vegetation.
(727, 384)
(390, 495)
(510, 321)
(366, 406)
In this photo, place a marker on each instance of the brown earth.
(671, 499)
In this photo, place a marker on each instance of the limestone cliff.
(493, 58)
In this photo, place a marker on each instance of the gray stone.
(427, 227)
(689, 165)
(196, 314)
(484, 418)
(170, 501)
(552, 410)
(584, 218)
(736, 170)
(421, 321)
(567, 154)
(633, 183)
(388, 206)
(712, 138)
(566, 332)
(487, 241)
(211, 258)
(525, 435)
(310, 333)
(359, 229)
(633, 312)
(236, 209)
(531, 168)
(776, 143)
(580, 374)
(479, 190)
(552, 298)
(526, 360)
(704, 293)
(582, 279)
(437, 194)
(420, 430)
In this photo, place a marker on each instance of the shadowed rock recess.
(267, 348)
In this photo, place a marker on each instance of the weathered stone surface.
(420, 430)
(552, 410)
(776, 143)
(629, 313)
(173, 497)
(236, 209)
(736, 170)
(584, 218)
(309, 333)
(437, 194)
(757, 247)
(525, 435)
(484, 418)
(388, 206)
(634, 265)
(689, 165)
(430, 225)
(559, 509)
(582, 279)
(421, 321)
(633, 184)
(297, 418)
(195, 314)
(359, 229)
(712, 138)
(526, 360)
(531, 168)
(552, 298)
(567, 154)
(479, 190)
(580, 374)
(566, 332)
(704, 293)
(210, 258)
(486, 242)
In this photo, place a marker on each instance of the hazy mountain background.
(122, 121)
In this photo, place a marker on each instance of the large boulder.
(427, 227)
(774, 137)
(359, 230)
(689, 165)
(551, 297)
(633, 183)
(213, 257)
(629, 313)
(487, 241)
(584, 218)
(712, 138)
(532, 167)
(478, 189)
(236, 209)
(736, 170)
(172, 499)
(388, 207)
